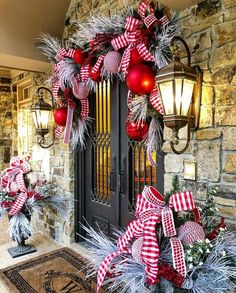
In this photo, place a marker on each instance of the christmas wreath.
(131, 46)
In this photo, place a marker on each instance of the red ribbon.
(150, 210)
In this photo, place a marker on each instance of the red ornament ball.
(60, 116)
(140, 79)
(137, 131)
(95, 76)
(190, 232)
(135, 57)
(79, 56)
(112, 61)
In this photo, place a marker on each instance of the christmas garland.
(21, 192)
(152, 256)
(132, 47)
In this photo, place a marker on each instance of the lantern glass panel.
(188, 86)
(178, 95)
(166, 89)
(41, 119)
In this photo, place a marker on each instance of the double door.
(113, 168)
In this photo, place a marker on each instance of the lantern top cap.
(176, 69)
(41, 105)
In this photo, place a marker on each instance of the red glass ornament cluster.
(137, 131)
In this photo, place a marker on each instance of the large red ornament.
(137, 131)
(135, 57)
(112, 61)
(140, 79)
(60, 116)
(79, 56)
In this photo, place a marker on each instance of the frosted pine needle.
(19, 227)
(49, 45)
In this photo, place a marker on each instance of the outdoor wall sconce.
(42, 112)
(180, 88)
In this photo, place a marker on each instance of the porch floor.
(42, 243)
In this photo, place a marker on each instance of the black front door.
(113, 168)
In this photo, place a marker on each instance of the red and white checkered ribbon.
(150, 210)
(62, 53)
(98, 64)
(18, 167)
(84, 109)
(84, 73)
(133, 39)
(150, 19)
(155, 100)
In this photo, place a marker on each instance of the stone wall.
(8, 122)
(209, 29)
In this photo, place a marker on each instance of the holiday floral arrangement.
(168, 247)
(132, 47)
(22, 192)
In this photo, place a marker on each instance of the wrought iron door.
(113, 168)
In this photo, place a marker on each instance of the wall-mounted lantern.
(42, 112)
(180, 88)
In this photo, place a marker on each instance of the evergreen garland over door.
(113, 168)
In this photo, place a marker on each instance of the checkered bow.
(18, 168)
(150, 210)
(134, 37)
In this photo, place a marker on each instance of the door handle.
(122, 181)
(113, 173)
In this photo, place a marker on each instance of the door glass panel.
(140, 171)
(101, 144)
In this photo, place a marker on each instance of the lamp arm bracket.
(178, 38)
(173, 143)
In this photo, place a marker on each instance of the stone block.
(207, 134)
(225, 115)
(84, 7)
(206, 116)
(229, 3)
(225, 190)
(229, 138)
(69, 167)
(173, 163)
(230, 163)
(224, 32)
(207, 76)
(229, 178)
(66, 184)
(225, 201)
(224, 75)
(227, 211)
(198, 188)
(208, 161)
(207, 95)
(58, 171)
(225, 96)
(168, 181)
(223, 56)
(230, 14)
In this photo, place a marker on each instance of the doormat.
(57, 272)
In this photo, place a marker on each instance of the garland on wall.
(131, 47)
(166, 248)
